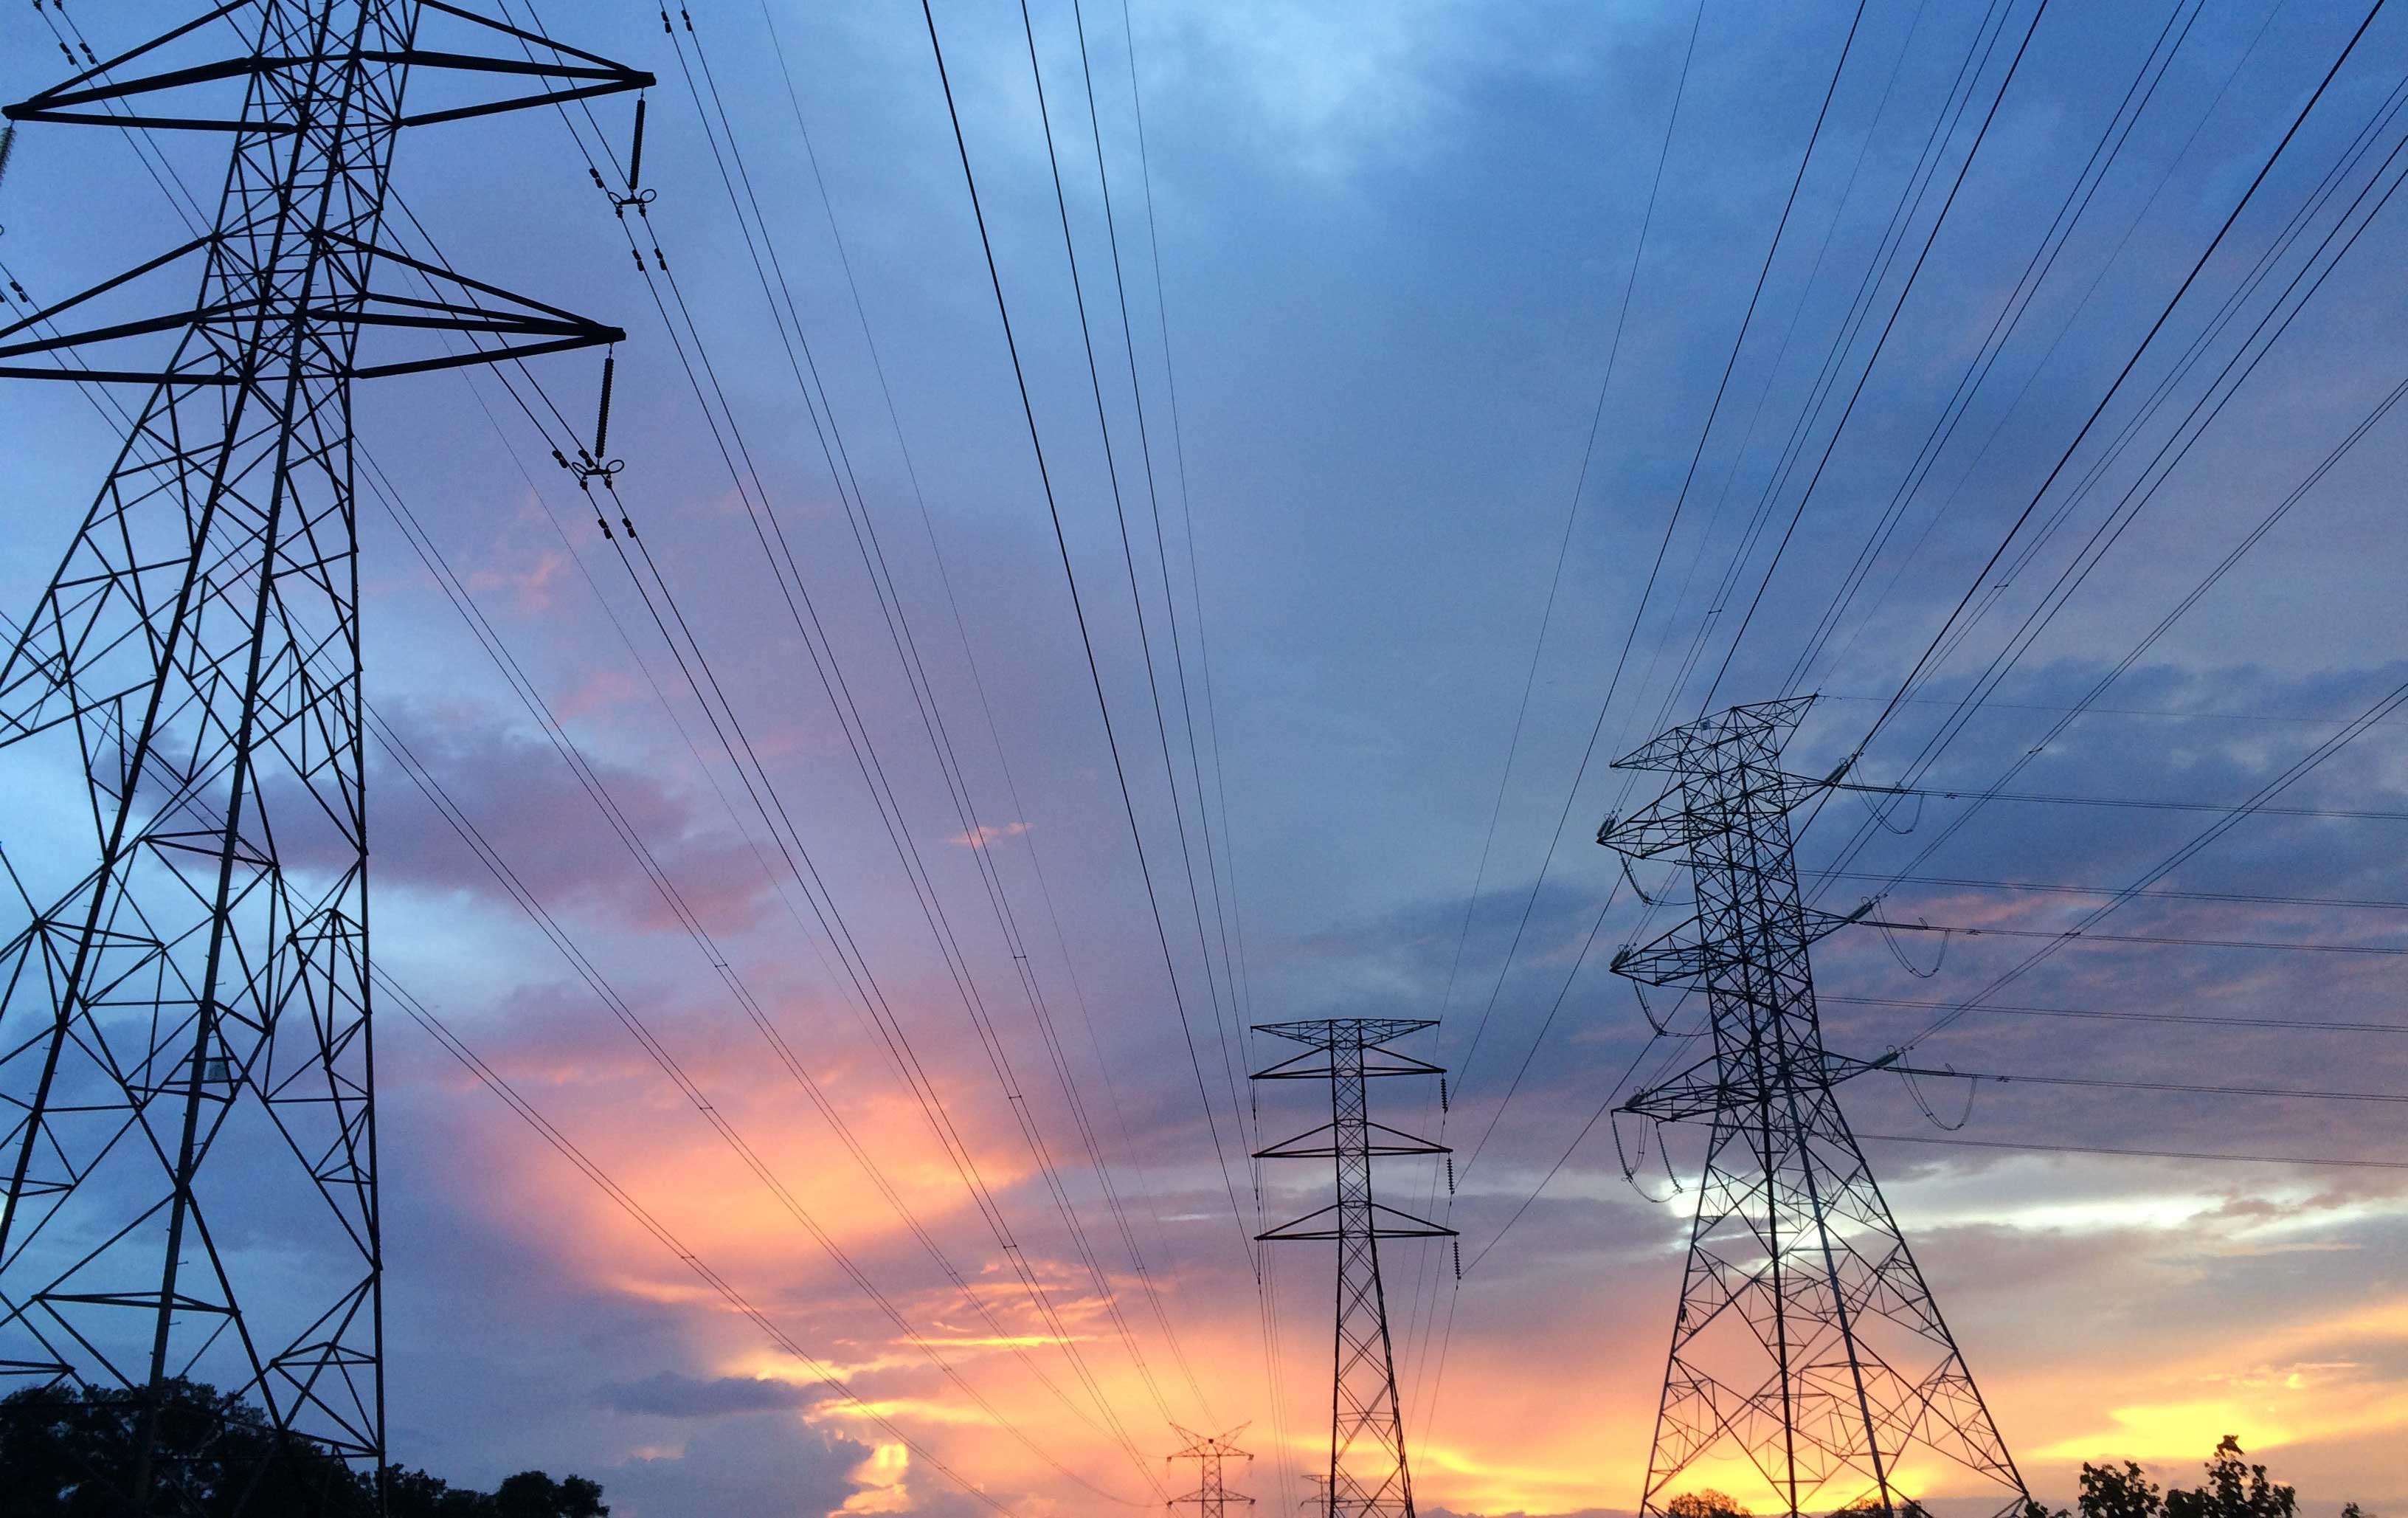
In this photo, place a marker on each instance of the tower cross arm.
(1660, 827)
(587, 76)
(500, 325)
(1379, 1138)
(1674, 957)
(1330, 1223)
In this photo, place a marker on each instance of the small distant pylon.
(1368, 1475)
(1316, 1500)
(1211, 1496)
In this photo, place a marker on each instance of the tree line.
(2234, 1488)
(65, 1452)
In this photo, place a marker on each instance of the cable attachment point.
(636, 196)
(599, 463)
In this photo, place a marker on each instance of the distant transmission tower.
(1368, 1475)
(185, 1036)
(1211, 1496)
(1808, 1355)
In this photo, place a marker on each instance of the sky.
(1406, 531)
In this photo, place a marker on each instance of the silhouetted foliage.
(531, 1494)
(1705, 1503)
(68, 1453)
(2234, 1489)
(2110, 1492)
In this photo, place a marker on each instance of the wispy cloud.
(987, 836)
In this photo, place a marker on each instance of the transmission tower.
(1211, 1496)
(1368, 1475)
(185, 1035)
(1808, 1355)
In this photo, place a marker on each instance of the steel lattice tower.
(186, 1061)
(1211, 1496)
(1369, 1474)
(1808, 1355)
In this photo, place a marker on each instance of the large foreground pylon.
(1808, 1358)
(1369, 1474)
(186, 1061)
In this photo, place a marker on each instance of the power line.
(978, 684)
(2100, 711)
(2010, 319)
(1865, 378)
(2177, 1088)
(873, 770)
(1234, 971)
(806, 872)
(1095, 673)
(1426, 1272)
(1968, 77)
(2257, 897)
(1672, 519)
(905, 648)
(2088, 936)
(2194, 1020)
(2382, 708)
(769, 1031)
(1238, 1107)
(437, 1029)
(1997, 672)
(2034, 1146)
(2164, 315)
(2360, 814)
(1912, 194)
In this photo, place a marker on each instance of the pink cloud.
(983, 836)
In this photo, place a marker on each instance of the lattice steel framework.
(1808, 1356)
(186, 1061)
(1211, 1496)
(1368, 1473)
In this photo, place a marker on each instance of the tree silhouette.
(2234, 1489)
(1705, 1502)
(67, 1452)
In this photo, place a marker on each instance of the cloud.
(669, 1394)
(759, 1464)
(520, 793)
(984, 837)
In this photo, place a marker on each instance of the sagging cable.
(1630, 1166)
(1889, 936)
(1661, 1025)
(1929, 1114)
